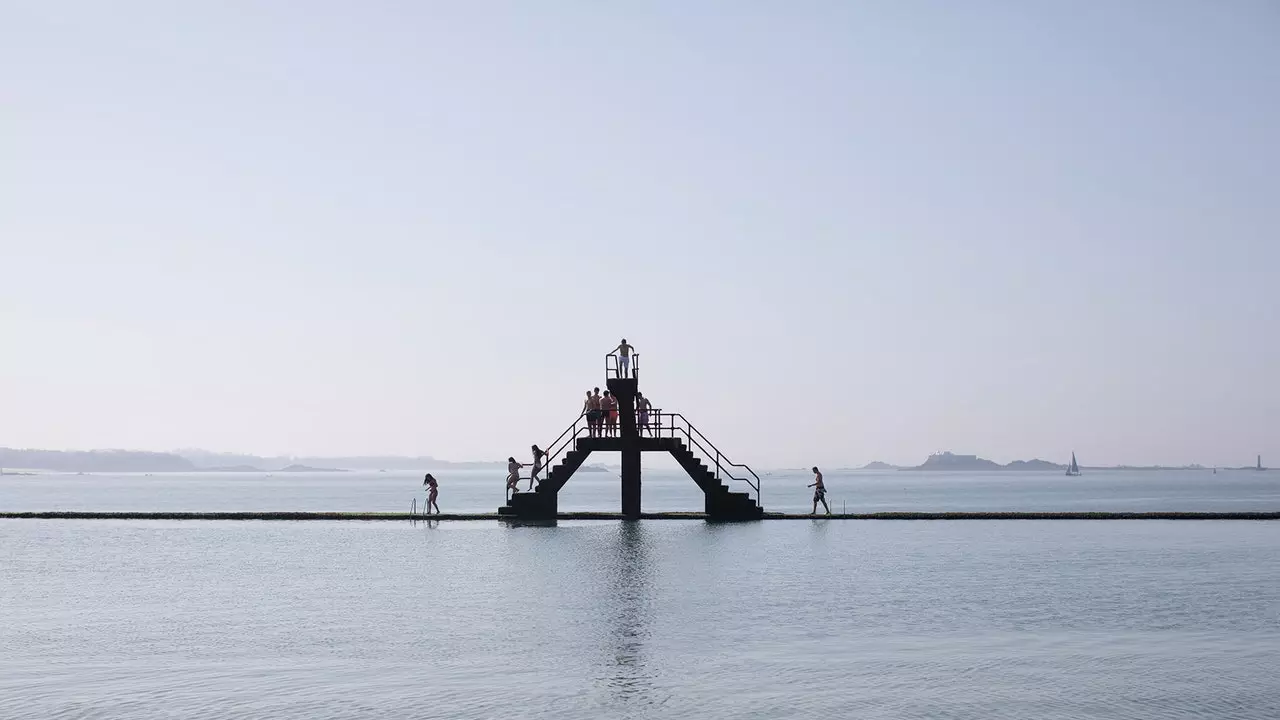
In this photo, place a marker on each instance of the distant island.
(948, 461)
(952, 462)
(95, 461)
(594, 469)
(1034, 465)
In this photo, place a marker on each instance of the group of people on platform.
(601, 412)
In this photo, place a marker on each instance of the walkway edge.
(76, 515)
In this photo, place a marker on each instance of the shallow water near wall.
(1152, 619)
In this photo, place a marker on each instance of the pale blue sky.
(836, 232)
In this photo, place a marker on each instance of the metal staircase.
(666, 432)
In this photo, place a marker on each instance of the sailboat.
(1073, 469)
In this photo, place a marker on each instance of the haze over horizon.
(835, 232)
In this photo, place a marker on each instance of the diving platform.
(731, 490)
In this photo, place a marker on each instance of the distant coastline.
(953, 462)
(130, 461)
(23, 461)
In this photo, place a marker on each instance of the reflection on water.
(911, 620)
(630, 582)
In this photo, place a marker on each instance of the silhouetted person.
(595, 414)
(624, 357)
(610, 407)
(513, 474)
(819, 492)
(537, 465)
(433, 488)
(643, 406)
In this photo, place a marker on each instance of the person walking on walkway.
(433, 488)
(624, 357)
(819, 492)
(537, 465)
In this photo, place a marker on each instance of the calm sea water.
(665, 488)
(656, 619)
(113, 619)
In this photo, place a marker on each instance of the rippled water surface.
(1012, 619)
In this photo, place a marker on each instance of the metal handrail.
(561, 443)
(723, 465)
(614, 369)
(722, 462)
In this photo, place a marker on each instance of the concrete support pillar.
(631, 484)
(624, 389)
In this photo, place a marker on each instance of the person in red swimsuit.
(611, 408)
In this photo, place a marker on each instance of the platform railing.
(561, 445)
(678, 425)
(613, 366)
(660, 424)
(509, 491)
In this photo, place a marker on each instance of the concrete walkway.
(75, 515)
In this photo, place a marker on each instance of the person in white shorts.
(624, 357)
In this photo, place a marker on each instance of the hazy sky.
(836, 232)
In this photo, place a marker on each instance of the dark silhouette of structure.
(668, 432)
